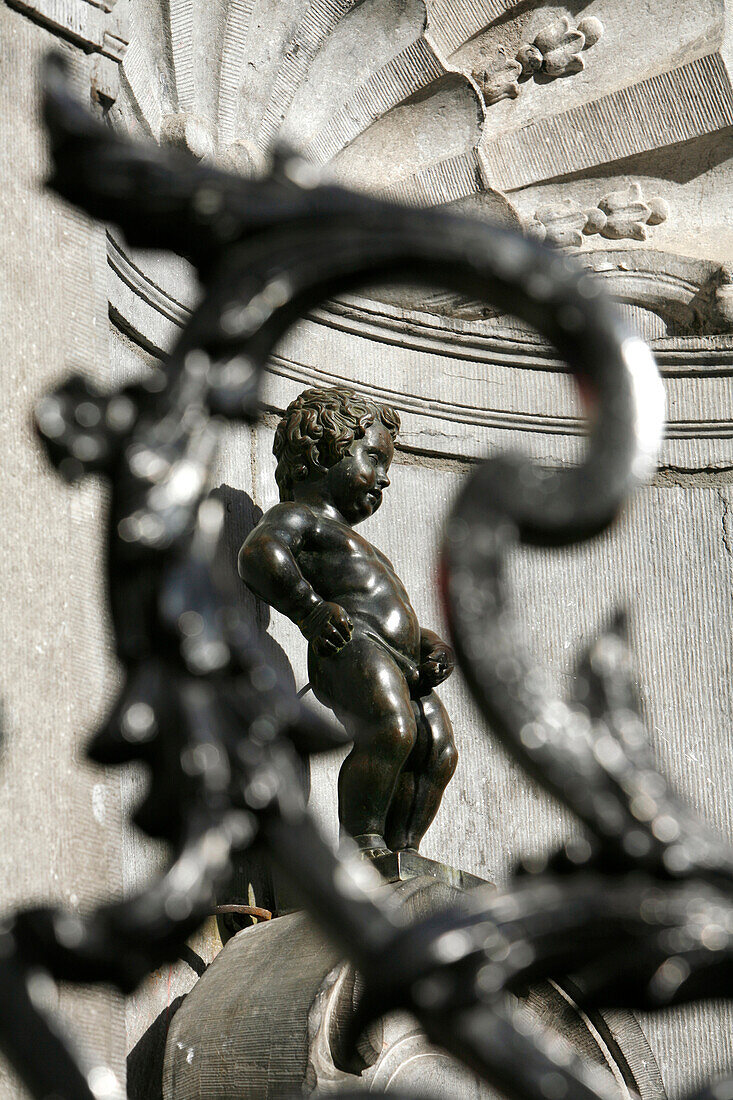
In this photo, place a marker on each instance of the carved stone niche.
(597, 126)
(617, 145)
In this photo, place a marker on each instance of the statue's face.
(356, 482)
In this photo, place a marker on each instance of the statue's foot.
(371, 845)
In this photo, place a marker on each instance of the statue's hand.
(437, 665)
(328, 628)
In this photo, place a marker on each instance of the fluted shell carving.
(529, 114)
(359, 87)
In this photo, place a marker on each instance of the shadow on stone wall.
(241, 514)
(145, 1060)
(251, 882)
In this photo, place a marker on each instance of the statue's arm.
(268, 565)
(436, 657)
(268, 561)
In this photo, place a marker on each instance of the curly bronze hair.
(317, 430)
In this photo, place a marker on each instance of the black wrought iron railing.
(639, 913)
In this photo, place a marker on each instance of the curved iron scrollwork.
(222, 734)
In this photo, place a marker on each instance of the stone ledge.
(403, 866)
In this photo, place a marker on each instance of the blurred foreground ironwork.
(638, 914)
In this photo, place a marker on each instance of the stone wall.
(626, 161)
(59, 817)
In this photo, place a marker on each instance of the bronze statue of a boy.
(368, 658)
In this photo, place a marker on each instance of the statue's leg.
(427, 773)
(367, 691)
(403, 799)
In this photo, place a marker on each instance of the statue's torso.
(345, 568)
